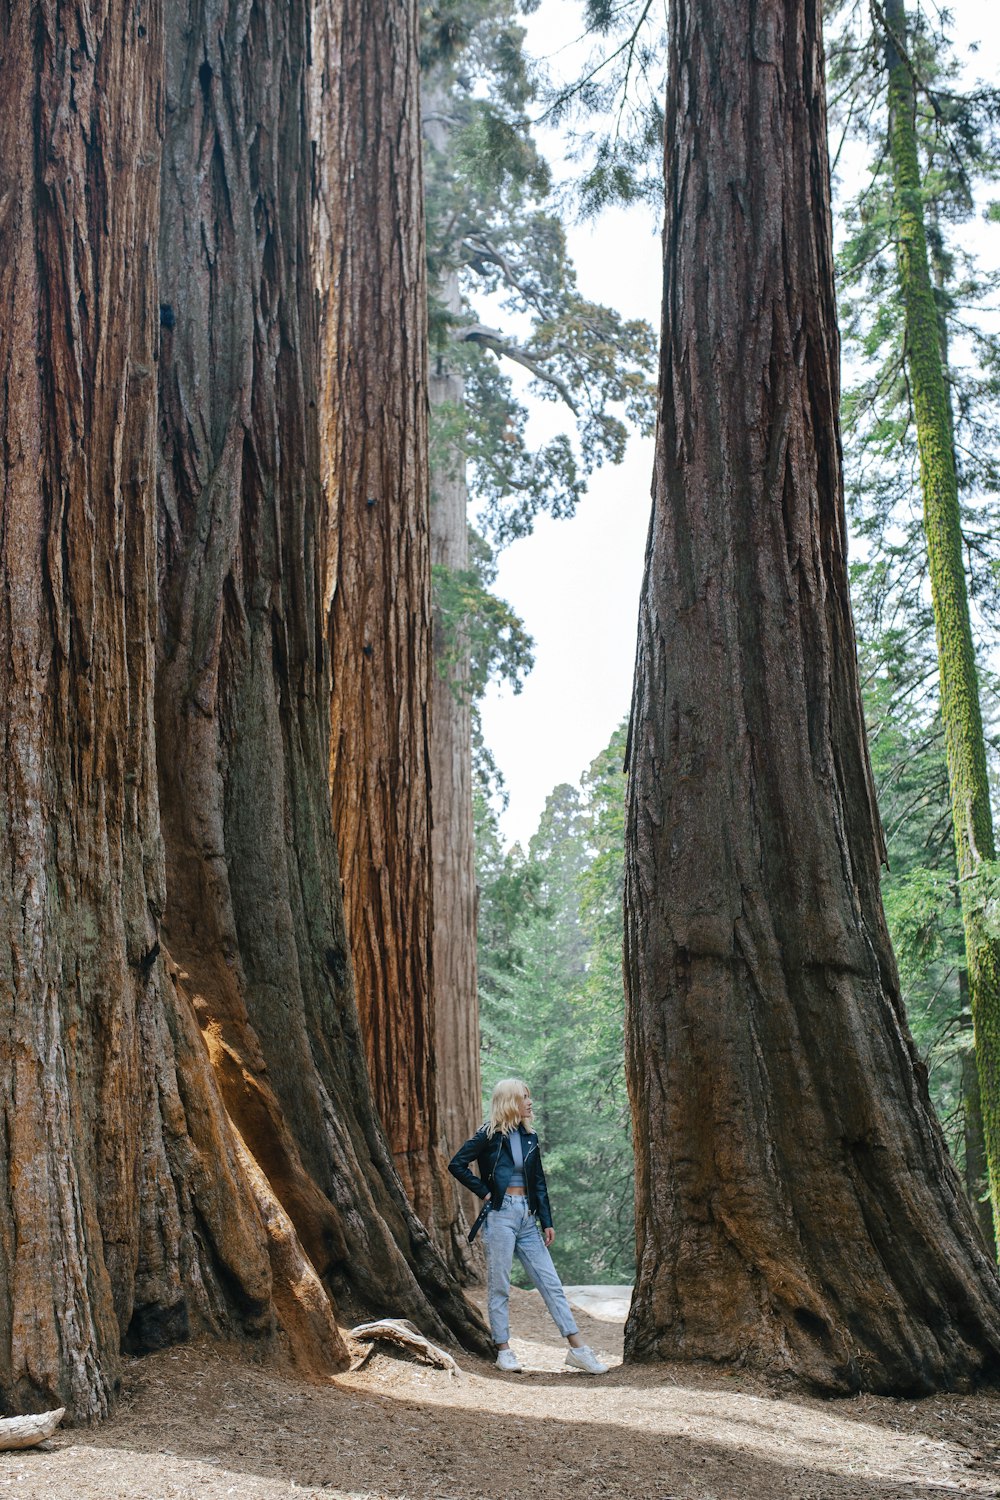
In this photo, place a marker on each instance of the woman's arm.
(459, 1164)
(544, 1206)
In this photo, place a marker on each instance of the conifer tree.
(931, 144)
(796, 1206)
(503, 297)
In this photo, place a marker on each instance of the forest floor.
(197, 1421)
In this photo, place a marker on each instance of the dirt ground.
(199, 1421)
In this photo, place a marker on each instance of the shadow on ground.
(202, 1421)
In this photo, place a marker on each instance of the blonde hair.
(505, 1105)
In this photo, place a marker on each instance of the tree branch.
(492, 338)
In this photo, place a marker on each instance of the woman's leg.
(499, 1237)
(537, 1261)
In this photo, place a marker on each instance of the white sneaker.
(584, 1358)
(508, 1360)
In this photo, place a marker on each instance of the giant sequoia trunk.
(926, 366)
(80, 882)
(171, 1134)
(796, 1207)
(371, 277)
(126, 1214)
(254, 915)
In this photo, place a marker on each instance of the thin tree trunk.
(977, 1178)
(124, 1214)
(254, 916)
(371, 276)
(796, 1207)
(453, 854)
(456, 993)
(972, 816)
(977, 1175)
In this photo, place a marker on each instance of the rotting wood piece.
(28, 1432)
(401, 1331)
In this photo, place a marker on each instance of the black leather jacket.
(493, 1156)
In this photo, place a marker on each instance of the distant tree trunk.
(455, 980)
(456, 994)
(972, 816)
(456, 983)
(977, 1180)
(796, 1207)
(371, 276)
(125, 1215)
(254, 916)
(977, 1175)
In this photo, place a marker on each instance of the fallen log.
(401, 1331)
(26, 1432)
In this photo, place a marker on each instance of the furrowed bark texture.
(122, 1208)
(371, 278)
(460, 1100)
(456, 991)
(456, 980)
(796, 1207)
(254, 916)
(972, 816)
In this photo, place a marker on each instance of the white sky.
(576, 583)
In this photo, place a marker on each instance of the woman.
(511, 1184)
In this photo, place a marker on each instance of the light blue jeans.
(511, 1231)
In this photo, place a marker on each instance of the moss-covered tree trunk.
(960, 708)
(977, 1174)
(372, 282)
(796, 1207)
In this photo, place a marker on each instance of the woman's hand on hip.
(548, 1235)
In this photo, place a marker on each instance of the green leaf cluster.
(493, 220)
(614, 106)
(957, 153)
(478, 628)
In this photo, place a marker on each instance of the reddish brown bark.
(372, 286)
(112, 1227)
(456, 999)
(132, 1208)
(456, 991)
(254, 914)
(796, 1207)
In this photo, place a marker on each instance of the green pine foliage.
(613, 108)
(920, 885)
(479, 627)
(552, 1006)
(920, 438)
(494, 219)
(959, 155)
